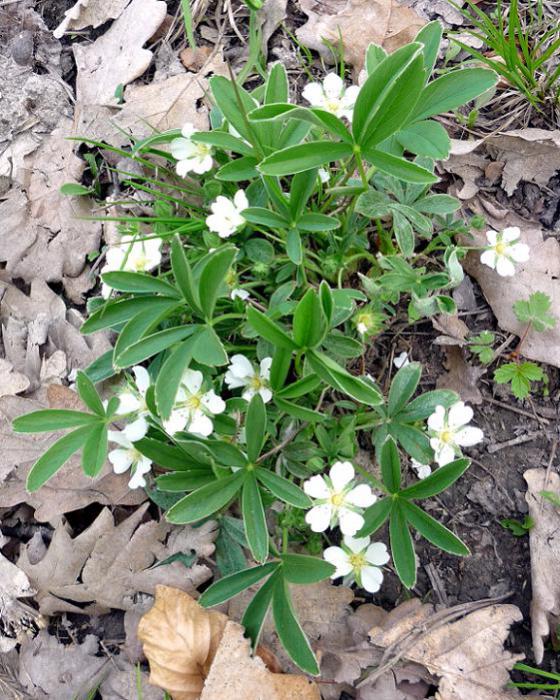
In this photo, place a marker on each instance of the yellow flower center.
(446, 436)
(332, 106)
(365, 319)
(337, 499)
(194, 402)
(500, 248)
(358, 561)
(140, 263)
(256, 382)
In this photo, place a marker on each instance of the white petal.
(377, 554)
(349, 521)
(176, 421)
(142, 378)
(401, 360)
(519, 252)
(137, 481)
(188, 130)
(371, 578)
(511, 233)
(314, 94)
(459, 415)
(437, 420)
(266, 394)
(361, 496)
(121, 460)
(341, 475)
(266, 362)
(203, 164)
(444, 454)
(316, 487)
(182, 148)
(338, 558)
(219, 225)
(192, 380)
(128, 403)
(143, 465)
(241, 367)
(492, 237)
(213, 403)
(119, 438)
(356, 544)
(136, 430)
(469, 436)
(200, 424)
(350, 96)
(248, 394)
(489, 258)
(319, 517)
(233, 382)
(505, 267)
(333, 85)
(240, 200)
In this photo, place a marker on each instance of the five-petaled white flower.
(401, 360)
(132, 403)
(133, 256)
(194, 408)
(359, 559)
(449, 431)
(226, 217)
(504, 250)
(332, 96)
(128, 457)
(337, 499)
(190, 155)
(241, 373)
(422, 470)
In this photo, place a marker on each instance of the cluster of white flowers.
(504, 251)
(132, 255)
(360, 560)
(337, 500)
(191, 156)
(332, 96)
(226, 217)
(449, 431)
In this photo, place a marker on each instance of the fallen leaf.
(106, 565)
(461, 376)
(11, 381)
(122, 683)
(356, 23)
(235, 674)
(454, 330)
(16, 618)
(50, 669)
(540, 274)
(544, 541)
(89, 13)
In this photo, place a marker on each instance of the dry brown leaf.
(544, 539)
(16, 618)
(11, 381)
(357, 23)
(235, 674)
(461, 376)
(465, 654)
(540, 274)
(89, 13)
(122, 683)
(106, 565)
(454, 330)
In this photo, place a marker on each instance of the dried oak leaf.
(89, 13)
(69, 489)
(357, 23)
(106, 565)
(11, 381)
(16, 618)
(544, 540)
(461, 376)
(540, 274)
(465, 653)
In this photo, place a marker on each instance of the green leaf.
(50, 419)
(269, 330)
(402, 547)
(88, 394)
(283, 489)
(94, 452)
(205, 501)
(317, 222)
(390, 465)
(453, 90)
(169, 376)
(400, 168)
(254, 519)
(289, 630)
(58, 453)
(430, 37)
(297, 411)
(304, 569)
(183, 274)
(255, 613)
(139, 283)
(373, 204)
(309, 322)
(374, 55)
(259, 249)
(163, 454)
(243, 168)
(423, 406)
(404, 233)
(300, 388)
(265, 217)
(375, 516)
(296, 159)
(437, 204)
(337, 377)
(232, 585)
(434, 532)
(152, 345)
(426, 138)
(73, 189)
(403, 386)
(101, 368)
(234, 102)
(212, 277)
(294, 247)
(114, 313)
(277, 85)
(301, 189)
(179, 482)
(438, 481)
(209, 349)
(413, 440)
(140, 326)
(223, 141)
(229, 553)
(255, 427)
(536, 311)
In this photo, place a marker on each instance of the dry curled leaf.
(11, 381)
(89, 13)
(16, 618)
(356, 23)
(544, 540)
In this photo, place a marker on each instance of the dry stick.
(514, 409)
(529, 437)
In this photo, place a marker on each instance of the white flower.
(132, 403)
(332, 96)
(241, 373)
(238, 293)
(226, 217)
(360, 559)
(190, 155)
(401, 360)
(324, 175)
(193, 408)
(422, 470)
(128, 457)
(504, 251)
(133, 256)
(337, 499)
(449, 431)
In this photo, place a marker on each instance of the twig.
(528, 437)
(514, 409)
(437, 583)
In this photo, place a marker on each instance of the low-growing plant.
(241, 388)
